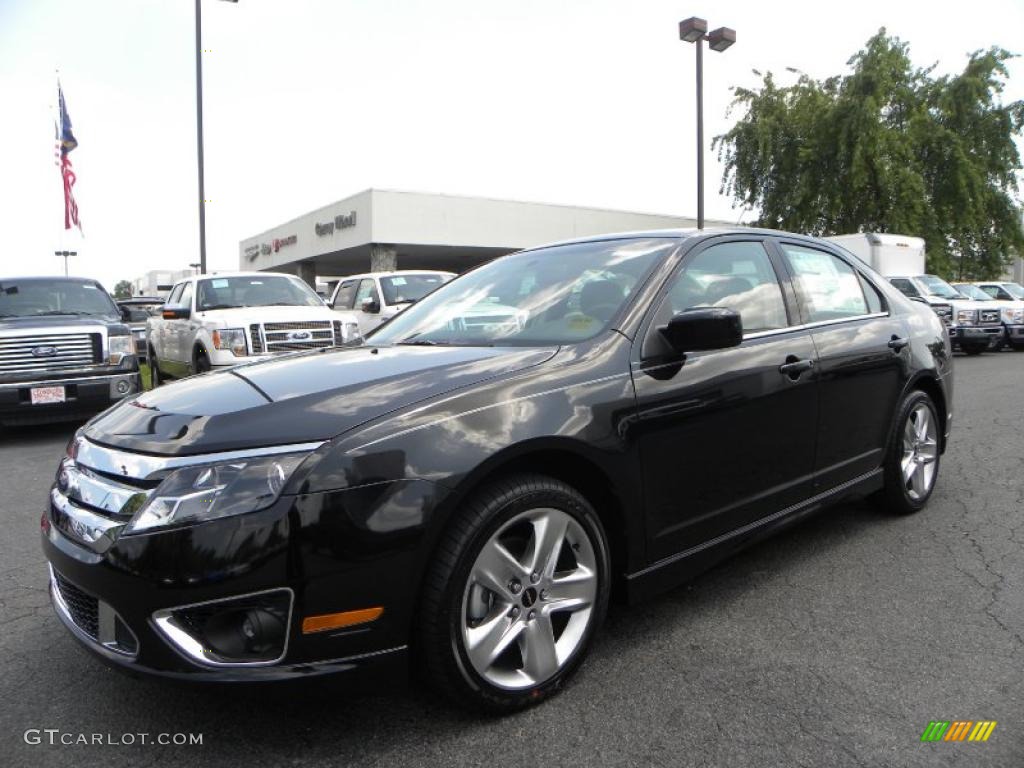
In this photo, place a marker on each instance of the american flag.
(66, 142)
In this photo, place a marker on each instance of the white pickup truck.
(214, 321)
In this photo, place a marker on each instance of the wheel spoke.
(573, 591)
(487, 642)
(548, 535)
(496, 567)
(907, 466)
(928, 451)
(909, 433)
(917, 483)
(540, 657)
(921, 422)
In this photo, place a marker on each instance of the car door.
(726, 437)
(863, 359)
(367, 292)
(180, 334)
(345, 295)
(162, 341)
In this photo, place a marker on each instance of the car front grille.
(49, 352)
(256, 340)
(290, 337)
(989, 317)
(83, 608)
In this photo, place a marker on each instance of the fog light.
(123, 387)
(238, 631)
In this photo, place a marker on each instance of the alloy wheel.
(920, 452)
(529, 599)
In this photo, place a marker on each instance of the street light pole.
(199, 133)
(65, 254)
(695, 30)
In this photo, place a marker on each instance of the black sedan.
(468, 489)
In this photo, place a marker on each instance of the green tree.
(887, 147)
(123, 289)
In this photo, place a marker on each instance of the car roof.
(224, 275)
(141, 300)
(68, 279)
(687, 234)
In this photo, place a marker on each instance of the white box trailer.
(889, 255)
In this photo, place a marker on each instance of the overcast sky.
(583, 102)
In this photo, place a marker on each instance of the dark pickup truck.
(65, 351)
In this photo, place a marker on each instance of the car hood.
(245, 315)
(53, 323)
(297, 398)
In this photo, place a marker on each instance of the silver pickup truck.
(65, 352)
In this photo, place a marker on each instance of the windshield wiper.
(43, 314)
(419, 343)
(223, 306)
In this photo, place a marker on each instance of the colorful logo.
(958, 730)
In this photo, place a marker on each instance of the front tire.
(200, 361)
(155, 377)
(973, 350)
(912, 463)
(518, 587)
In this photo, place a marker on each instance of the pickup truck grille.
(289, 337)
(49, 352)
(989, 317)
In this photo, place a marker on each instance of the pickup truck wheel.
(518, 586)
(155, 377)
(912, 463)
(972, 350)
(200, 361)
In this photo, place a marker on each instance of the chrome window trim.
(811, 326)
(194, 651)
(142, 466)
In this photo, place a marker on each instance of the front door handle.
(896, 343)
(794, 366)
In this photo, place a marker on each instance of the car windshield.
(29, 298)
(938, 287)
(254, 291)
(972, 292)
(555, 295)
(399, 289)
(1014, 289)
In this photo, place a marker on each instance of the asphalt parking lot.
(833, 644)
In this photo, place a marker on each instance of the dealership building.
(379, 230)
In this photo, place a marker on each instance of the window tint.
(875, 303)
(738, 276)
(346, 292)
(175, 293)
(367, 290)
(186, 296)
(828, 285)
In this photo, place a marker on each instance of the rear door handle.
(896, 343)
(794, 366)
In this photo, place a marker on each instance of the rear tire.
(518, 587)
(912, 462)
(155, 377)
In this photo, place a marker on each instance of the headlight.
(231, 338)
(1013, 316)
(212, 491)
(119, 347)
(346, 332)
(966, 316)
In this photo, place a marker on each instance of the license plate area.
(47, 395)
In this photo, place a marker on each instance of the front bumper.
(85, 395)
(1015, 333)
(328, 564)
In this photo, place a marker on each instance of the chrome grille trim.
(276, 337)
(989, 317)
(70, 350)
(255, 340)
(141, 467)
(307, 325)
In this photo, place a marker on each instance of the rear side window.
(874, 298)
(830, 288)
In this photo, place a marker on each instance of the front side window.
(829, 287)
(254, 291)
(346, 292)
(28, 298)
(557, 295)
(367, 292)
(738, 276)
(186, 296)
(172, 298)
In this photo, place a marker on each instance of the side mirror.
(918, 299)
(370, 306)
(175, 312)
(704, 328)
(126, 314)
